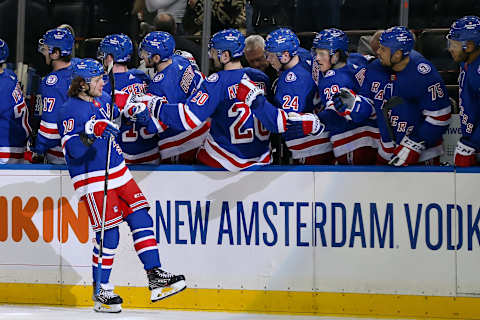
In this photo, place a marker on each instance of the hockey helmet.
(331, 40)
(398, 38)
(465, 29)
(157, 42)
(87, 69)
(60, 38)
(4, 52)
(230, 40)
(118, 45)
(281, 40)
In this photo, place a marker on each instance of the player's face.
(256, 58)
(384, 55)
(456, 50)
(145, 57)
(322, 57)
(272, 58)
(96, 86)
(213, 55)
(43, 49)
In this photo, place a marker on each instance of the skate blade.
(105, 308)
(162, 293)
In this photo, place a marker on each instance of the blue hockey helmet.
(60, 38)
(331, 40)
(281, 40)
(4, 52)
(118, 45)
(87, 69)
(465, 29)
(398, 38)
(230, 40)
(157, 42)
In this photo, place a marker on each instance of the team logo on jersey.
(329, 73)
(158, 77)
(424, 68)
(130, 77)
(290, 77)
(213, 77)
(51, 80)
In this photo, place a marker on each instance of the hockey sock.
(141, 225)
(110, 244)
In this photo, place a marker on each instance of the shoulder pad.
(158, 77)
(329, 73)
(424, 68)
(51, 80)
(290, 77)
(213, 77)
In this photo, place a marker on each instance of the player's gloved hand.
(464, 155)
(343, 102)
(100, 129)
(122, 99)
(248, 91)
(136, 111)
(31, 154)
(304, 124)
(408, 152)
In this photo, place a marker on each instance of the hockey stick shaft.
(105, 188)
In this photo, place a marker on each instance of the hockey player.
(56, 46)
(294, 92)
(139, 146)
(14, 124)
(353, 143)
(237, 140)
(464, 46)
(409, 99)
(85, 130)
(174, 81)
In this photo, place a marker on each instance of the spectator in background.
(268, 15)
(146, 10)
(166, 22)
(311, 15)
(368, 45)
(225, 14)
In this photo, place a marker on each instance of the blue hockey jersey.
(138, 145)
(425, 113)
(237, 139)
(53, 93)
(175, 84)
(86, 165)
(346, 136)
(294, 92)
(13, 120)
(469, 103)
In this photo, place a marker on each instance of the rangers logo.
(290, 77)
(424, 68)
(213, 77)
(51, 80)
(158, 77)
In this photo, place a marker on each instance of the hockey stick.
(105, 189)
(389, 105)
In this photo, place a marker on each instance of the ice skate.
(106, 300)
(163, 284)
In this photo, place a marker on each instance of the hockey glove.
(408, 152)
(152, 102)
(136, 111)
(343, 102)
(247, 92)
(123, 99)
(100, 129)
(303, 124)
(464, 155)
